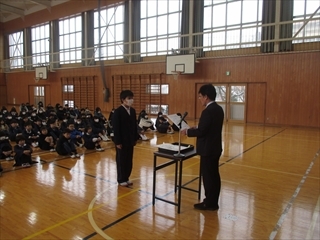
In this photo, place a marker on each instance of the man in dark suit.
(209, 146)
(124, 122)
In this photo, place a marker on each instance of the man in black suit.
(124, 122)
(209, 146)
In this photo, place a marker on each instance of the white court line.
(286, 210)
(314, 220)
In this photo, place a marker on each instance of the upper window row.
(226, 24)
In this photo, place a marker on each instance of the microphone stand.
(179, 154)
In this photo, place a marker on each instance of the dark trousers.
(124, 163)
(211, 179)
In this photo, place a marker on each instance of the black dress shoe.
(203, 206)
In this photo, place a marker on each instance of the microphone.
(184, 116)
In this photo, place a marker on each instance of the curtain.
(55, 58)
(88, 38)
(28, 50)
(198, 26)
(135, 31)
(286, 29)
(184, 41)
(268, 32)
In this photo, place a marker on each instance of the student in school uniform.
(99, 128)
(163, 125)
(46, 141)
(14, 130)
(125, 137)
(65, 146)
(5, 147)
(75, 135)
(146, 123)
(53, 130)
(31, 137)
(91, 140)
(23, 153)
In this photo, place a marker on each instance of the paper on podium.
(172, 147)
(175, 118)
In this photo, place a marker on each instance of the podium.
(178, 161)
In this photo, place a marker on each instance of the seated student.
(46, 141)
(5, 147)
(63, 124)
(23, 153)
(31, 137)
(14, 130)
(65, 146)
(175, 127)
(53, 130)
(91, 140)
(61, 114)
(37, 125)
(98, 113)
(79, 125)
(99, 129)
(75, 135)
(42, 114)
(162, 124)
(3, 126)
(13, 113)
(8, 119)
(143, 112)
(146, 123)
(23, 121)
(142, 136)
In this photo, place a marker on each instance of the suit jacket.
(125, 126)
(209, 130)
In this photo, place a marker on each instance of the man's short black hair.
(125, 93)
(209, 91)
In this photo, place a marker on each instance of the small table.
(178, 161)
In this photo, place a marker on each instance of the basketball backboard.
(185, 64)
(41, 72)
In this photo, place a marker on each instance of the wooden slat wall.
(85, 91)
(138, 84)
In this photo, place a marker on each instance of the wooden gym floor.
(270, 190)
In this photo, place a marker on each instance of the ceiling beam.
(46, 3)
(10, 9)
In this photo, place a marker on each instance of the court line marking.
(294, 196)
(269, 170)
(314, 220)
(78, 215)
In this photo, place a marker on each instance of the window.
(69, 102)
(158, 89)
(111, 32)
(38, 92)
(67, 88)
(70, 39)
(232, 24)
(16, 50)
(160, 26)
(155, 108)
(302, 10)
(40, 36)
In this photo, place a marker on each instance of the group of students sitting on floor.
(59, 129)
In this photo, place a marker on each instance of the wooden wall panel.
(256, 103)
(292, 84)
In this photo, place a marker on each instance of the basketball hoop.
(37, 79)
(176, 74)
